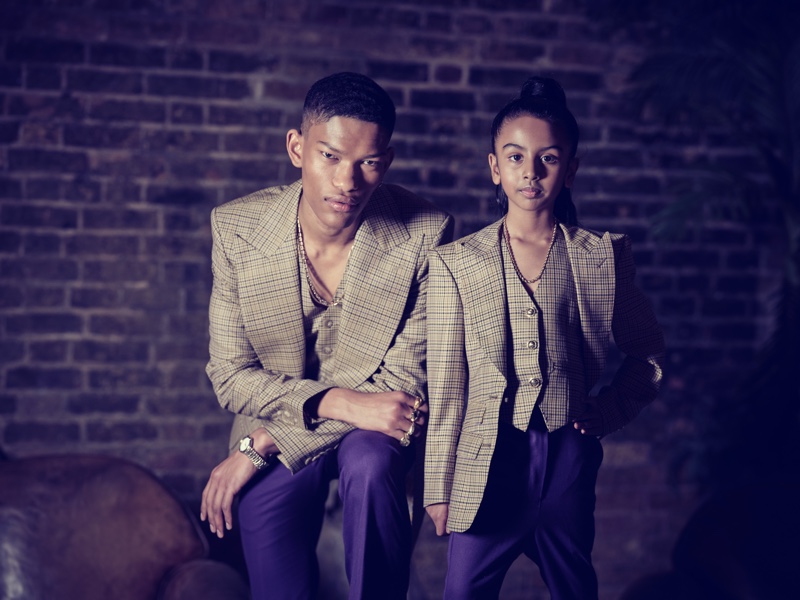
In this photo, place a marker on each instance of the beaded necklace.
(308, 270)
(514, 260)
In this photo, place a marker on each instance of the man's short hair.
(349, 95)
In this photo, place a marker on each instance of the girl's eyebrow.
(518, 147)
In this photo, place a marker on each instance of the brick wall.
(122, 123)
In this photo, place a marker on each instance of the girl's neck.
(525, 224)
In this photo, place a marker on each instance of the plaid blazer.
(467, 331)
(257, 346)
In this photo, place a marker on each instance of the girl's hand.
(438, 514)
(590, 422)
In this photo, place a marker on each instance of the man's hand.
(227, 479)
(438, 514)
(590, 422)
(390, 413)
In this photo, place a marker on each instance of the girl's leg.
(479, 558)
(477, 565)
(564, 533)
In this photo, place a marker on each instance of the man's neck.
(320, 234)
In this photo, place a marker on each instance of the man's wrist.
(329, 405)
(246, 447)
(263, 443)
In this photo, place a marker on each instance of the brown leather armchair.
(85, 527)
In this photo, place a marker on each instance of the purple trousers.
(539, 501)
(281, 515)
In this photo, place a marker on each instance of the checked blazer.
(257, 341)
(467, 347)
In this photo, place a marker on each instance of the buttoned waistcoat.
(257, 340)
(467, 346)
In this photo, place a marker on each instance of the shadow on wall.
(742, 544)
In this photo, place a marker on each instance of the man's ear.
(294, 147)
(494, 168)
(571, 170)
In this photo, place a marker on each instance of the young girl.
(519, 319)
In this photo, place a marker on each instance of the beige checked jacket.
(257, 346)
(467, 329)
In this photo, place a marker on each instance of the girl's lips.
(530, 192)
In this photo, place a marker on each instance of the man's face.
(342, 161)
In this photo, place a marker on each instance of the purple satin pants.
(539, 501)
(281, 515)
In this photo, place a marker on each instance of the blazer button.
(530, 313)
(534, 382)
(533, 344)
(329, 323)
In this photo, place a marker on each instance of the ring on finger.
(411, 429)
(414, 416)
(417, 403)
(405, 440)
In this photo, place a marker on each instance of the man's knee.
(372, 457)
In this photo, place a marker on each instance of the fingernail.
(229, 526)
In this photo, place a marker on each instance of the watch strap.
(258, 461)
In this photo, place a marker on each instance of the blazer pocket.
(469, 445)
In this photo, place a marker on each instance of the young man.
(317, 323)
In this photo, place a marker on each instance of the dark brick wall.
(123, 123)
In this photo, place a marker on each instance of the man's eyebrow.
(335, 150)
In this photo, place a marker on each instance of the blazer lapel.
(379, 275)
(270, 284)
(592, 260)
(483, 289)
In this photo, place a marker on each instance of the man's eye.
(549, 159)
(327, 155)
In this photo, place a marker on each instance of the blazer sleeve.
(639, 336)
(240, 381)
(403, 368)
(447, 374)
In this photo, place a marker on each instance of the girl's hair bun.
(543, 88)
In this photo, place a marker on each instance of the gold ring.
(405, 440)
(417, 403)
(411, 429)
(414, 416)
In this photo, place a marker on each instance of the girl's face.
(532, 162)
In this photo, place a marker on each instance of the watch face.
(244, 444)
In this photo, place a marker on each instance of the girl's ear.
(571, 170)
(494, 167)
(294, 147)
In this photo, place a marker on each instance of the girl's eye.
(549, 159)
(515, 157)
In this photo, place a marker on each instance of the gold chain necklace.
(308, 270)
(514, 260)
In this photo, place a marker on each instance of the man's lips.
(341, 203)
